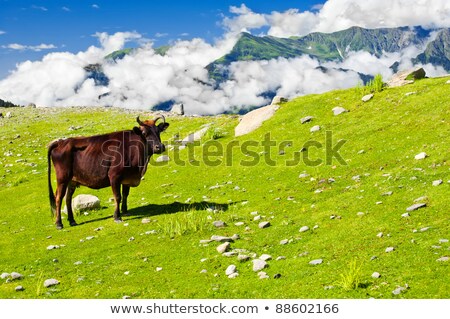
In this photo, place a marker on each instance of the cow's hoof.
(59, 226)
(118, 220)
(73, 223)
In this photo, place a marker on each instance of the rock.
(339, 110)
(278, 99)
(221, 239)
(376, 275)
(406, 77)
(16, 275)
(306, 119)
(315, 128)
(257, 217)
(235, 237)
(243, 257)
(437, 182)
(231, 269)
(264, 224)
(380, 234)
(284, 242)
(145, 220)
(229, 254)
(280, 258)
(193, 137)
(203, 271)
(448, 82)
(442, 241)
(421, 199)
(387, 193)
(265, 257)
(316, 262)
(398, 290)
(415, 207)
(445, 258)
(254, 119)
(259, 264)
(85, 202)
(367, 97)
(360, 214)
(233, 275)
(50, 282)
(239, 224)
(162, 158)
(303, 229)
(51, 247)
(424, 229)
(4, 275)
(303, 175)
(219, 224)
(410, 93)
(19, 288)
(389, 249)
(223, 247)
(263, 275)
(177, 109)
(421, 156)
(77, 263)
(405, 215)
(8, 115)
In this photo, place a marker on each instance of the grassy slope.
(391, 128)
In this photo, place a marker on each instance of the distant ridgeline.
(6, 104)
(322, 46)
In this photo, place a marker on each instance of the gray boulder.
(85, 202)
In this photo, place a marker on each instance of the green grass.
(183, 201)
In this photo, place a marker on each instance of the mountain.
(437, 51)
(322, 46)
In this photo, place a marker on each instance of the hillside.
(353, 208)
(438, 51)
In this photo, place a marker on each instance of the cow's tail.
(50, 188)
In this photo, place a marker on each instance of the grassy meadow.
(353, 204)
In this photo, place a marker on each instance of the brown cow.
(115, 159)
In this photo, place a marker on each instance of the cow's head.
(151, 132)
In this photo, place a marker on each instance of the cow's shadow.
(166, 209)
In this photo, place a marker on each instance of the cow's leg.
(70, 190)
(125, 192)
(60, 192)
(115, 185)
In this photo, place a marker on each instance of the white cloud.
(95, 6)
(161, 34)
(337, 15)
(36, 48)
(65, 9)
(2, 32)
(39, 8)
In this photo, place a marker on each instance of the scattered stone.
(376, 275)
(50, 283)
(77, 263)
(360, 214)
(231, 269)
(424, 229)
(19, 288)
(130, 239)
(387, 193)
(280, 258)
(51, 247)
(203, 260)
(235, 237)
(315, 128)
(442, 241)
(367, 97)
(242, 257)
(263, 275)
(303, 229)
(233, 275)
(380, 234)
(437, 182)
(239, 224)
(15, 275)
(8, 115)
(265, 257)
(284, 241)
(203, 271)
(219, 224)
(406, 77)
(316, 262)
(221, 239)
(257, 217)
(444, 258)
(177, 108)
(229, 254)
(145, 220)
(158, 269)
(254, 119)
(405, 215)
(421, 199)
(205, 241)
(4, 275)
(84, 202)
(264, 224)
(421, 156)
(373, 258)
(306, 119)
(339, 110)
(98, 229)
(389, 249)
(416, 207)
(399, 290)
(162, 158)
(278, 99)
(223, 247)
(259, 264)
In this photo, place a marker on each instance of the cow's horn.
(139, 121)
(160, 117)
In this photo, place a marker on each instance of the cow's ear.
(163, 126)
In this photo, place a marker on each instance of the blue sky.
(69, 25)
